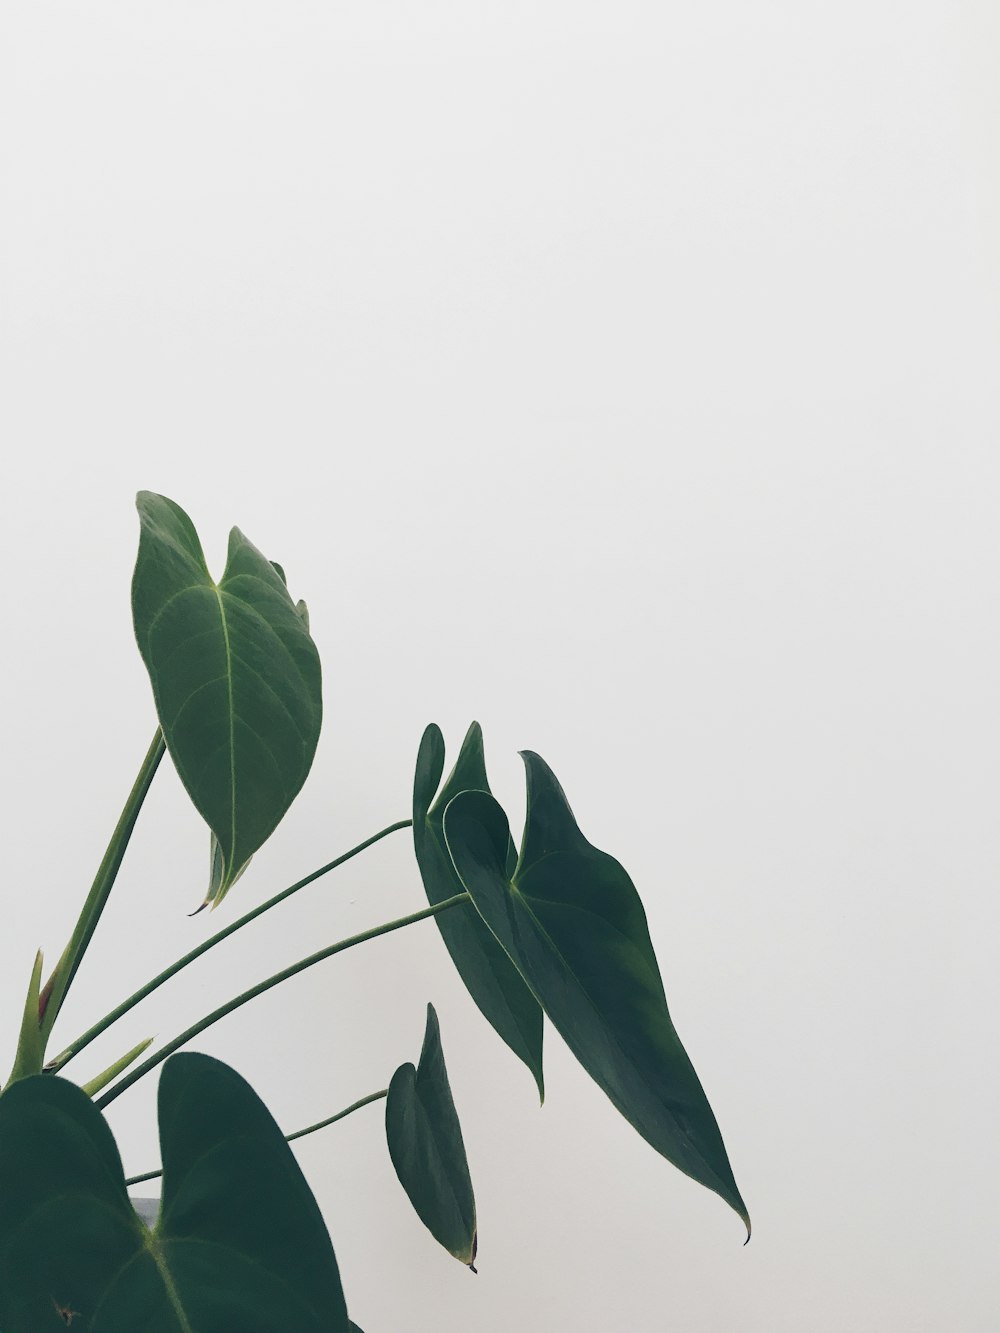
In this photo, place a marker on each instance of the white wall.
(623, 375)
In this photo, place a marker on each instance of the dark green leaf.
(239, 1244)
(425, 1144)
(572, 921)
(235, 676)
(490, 978)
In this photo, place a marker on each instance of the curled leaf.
(489, 976)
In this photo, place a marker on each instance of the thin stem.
(146, 1175)
(299, 1133)
(75, 1047)
(332, 1119)
(197, 1028)
(57, 987)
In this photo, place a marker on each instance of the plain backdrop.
(623, 375)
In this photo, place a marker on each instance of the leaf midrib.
(232, 729)
(167, 1278)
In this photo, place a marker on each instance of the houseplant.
(554, 928)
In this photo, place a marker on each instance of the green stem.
(332, 1119)
(75, 1047)
(299, 1133)
(56, 988)
(197, 1028)
(146, 1175)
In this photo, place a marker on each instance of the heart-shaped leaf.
(239, 1244)
(426, 1147)
(235, 676)
(572, 921)
(490, 977)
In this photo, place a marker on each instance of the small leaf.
(488, 974)
(235, 676)
(572, 921)
(426, 1147)
(240, 1242)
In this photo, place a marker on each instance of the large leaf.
(426, 1147)
(489, 976)
(235, 676)
(572, 921)
(239, 1244)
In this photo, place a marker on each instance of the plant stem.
(197, 1028)
(56, 988)
(299, 1133)
(75, 1047)
(332, 1119)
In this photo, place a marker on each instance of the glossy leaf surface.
(571, 919)
(427, 1150)
(235, 676)
(489, 976)
(240, 1242)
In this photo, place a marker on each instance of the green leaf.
(426, 1147)
(490, 978)
(240, 1242)
(235, 676)
(572, 921)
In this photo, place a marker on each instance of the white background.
(623, 375)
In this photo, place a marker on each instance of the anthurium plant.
(553, 929)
